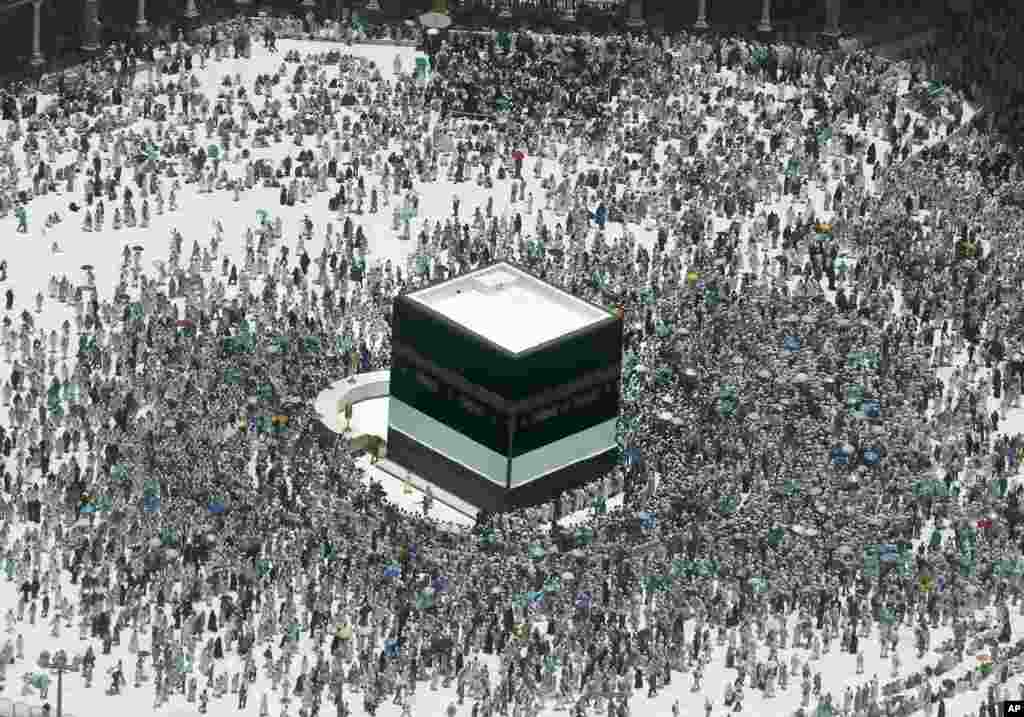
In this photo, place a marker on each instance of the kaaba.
(504, 388)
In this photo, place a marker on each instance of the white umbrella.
(435, 20)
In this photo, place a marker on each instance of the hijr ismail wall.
(496, 428)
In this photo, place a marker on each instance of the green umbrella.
(680, 568)
(584, 535)
(854, 395)
(705, 568)
(998, 487)
(658, 583)
(278, 345)
(424, 600)
(967, 564)
(311, 344)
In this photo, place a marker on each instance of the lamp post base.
(37, 60)
(701, 24)
(765, 27)
(90, 47)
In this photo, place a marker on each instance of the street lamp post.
(191, 11)
(59, 663)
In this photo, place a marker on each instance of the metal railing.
(563, 7)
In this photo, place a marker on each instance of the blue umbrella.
(392, 571)
(631, 456)
(888, 553)
(872, 408)
(647, 520)
(792, 343)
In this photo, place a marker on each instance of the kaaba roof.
(509, 306)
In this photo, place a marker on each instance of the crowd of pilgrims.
(739, 529)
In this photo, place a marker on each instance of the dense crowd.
(824, 330)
